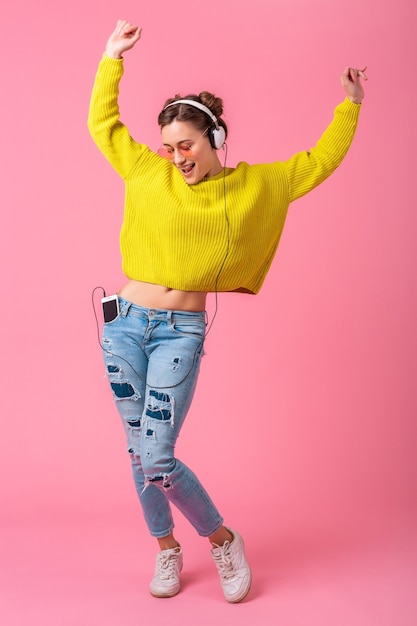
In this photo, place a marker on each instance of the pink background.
(304, 423)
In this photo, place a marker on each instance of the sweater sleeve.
(305, 170)
(109, 134)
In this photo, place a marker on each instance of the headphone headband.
(197, 105)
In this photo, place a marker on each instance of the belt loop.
(124, 309)
(169, 316)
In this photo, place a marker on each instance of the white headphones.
(216, 133)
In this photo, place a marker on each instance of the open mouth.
(187, 169)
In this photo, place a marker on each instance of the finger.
(136, 33)
(119, 27)
(362, 74)
(350, 74)
(130, 30)
(355, 74)
(125, 28)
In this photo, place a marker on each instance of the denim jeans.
(152, 358)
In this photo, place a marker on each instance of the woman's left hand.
(351, 82)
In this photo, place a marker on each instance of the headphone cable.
(216, 293)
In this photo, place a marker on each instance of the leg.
(174, 352)
(219, 537)
(127, 370)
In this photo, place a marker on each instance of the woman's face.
(190, 151)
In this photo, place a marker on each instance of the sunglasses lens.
(169, 153)
(166, 154)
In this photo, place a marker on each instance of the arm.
(107, 131)
(306, 170)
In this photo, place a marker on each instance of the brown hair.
(188, 113)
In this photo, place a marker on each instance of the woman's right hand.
(123, 38)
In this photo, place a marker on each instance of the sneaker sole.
(244, 595)
(165, 595)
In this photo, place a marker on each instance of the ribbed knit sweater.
(222, 233)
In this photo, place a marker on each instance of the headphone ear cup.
(217, 137)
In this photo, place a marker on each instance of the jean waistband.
(162, 314)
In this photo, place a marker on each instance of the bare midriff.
(158, 297)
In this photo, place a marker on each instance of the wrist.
(112, 54)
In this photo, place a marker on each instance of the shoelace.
(223, 559)
(166, 565)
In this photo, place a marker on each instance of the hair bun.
(212, 102)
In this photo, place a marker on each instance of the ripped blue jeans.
(152, 358)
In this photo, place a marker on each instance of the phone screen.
(110, 309)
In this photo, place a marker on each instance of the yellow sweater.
(221, 234)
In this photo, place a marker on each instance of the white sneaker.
(166, 580)
(233, 568)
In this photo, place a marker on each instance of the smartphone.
(111, 309)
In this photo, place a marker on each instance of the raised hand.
(351, 83)
(123, 38)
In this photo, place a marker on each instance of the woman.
(191, 226)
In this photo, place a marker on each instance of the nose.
(178, 157)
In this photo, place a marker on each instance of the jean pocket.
(189, 327)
